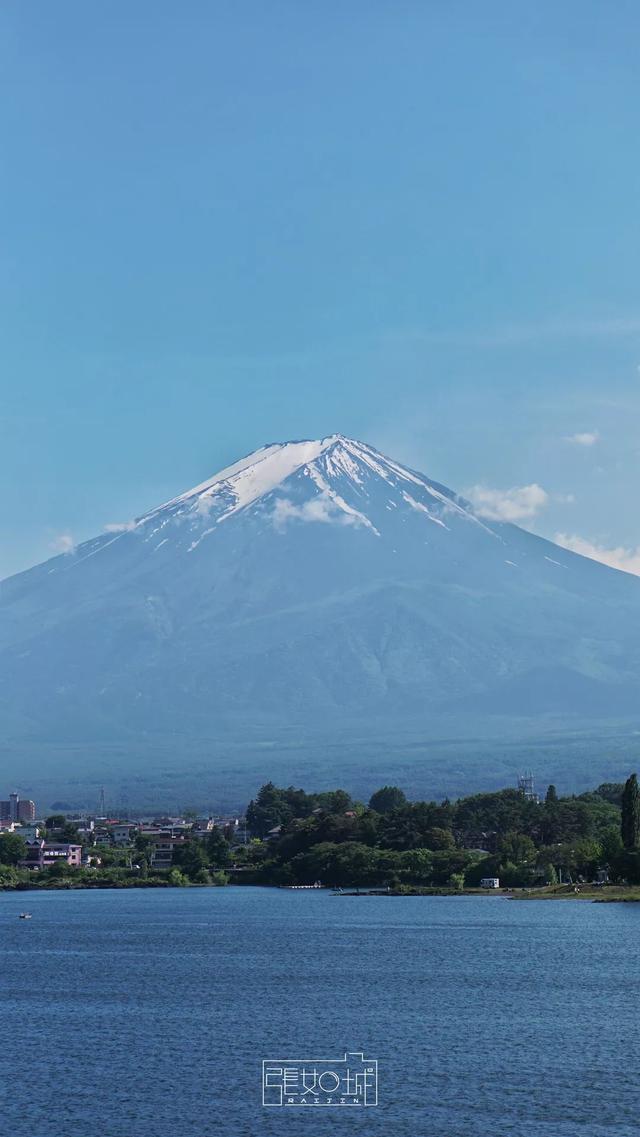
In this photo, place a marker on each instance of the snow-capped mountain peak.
(256, 474)
(313, 585)
(333, 478)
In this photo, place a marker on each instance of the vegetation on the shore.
(64, 876)
(300, 838)
(197, 862)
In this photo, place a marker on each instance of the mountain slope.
(314, 589)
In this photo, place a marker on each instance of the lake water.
(151, 1011)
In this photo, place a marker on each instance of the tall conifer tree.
(630, 823)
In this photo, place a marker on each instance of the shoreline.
(600, 894)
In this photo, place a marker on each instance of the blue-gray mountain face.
(312, 612)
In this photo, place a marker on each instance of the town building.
(487, 840)
(82, 823)
(29, 832)
(162, 846)
(229, 823)
(203, 827)
(17, 809)
(171, 828)
(123, 834)
(490, 882)
(86, 832)
(43, 854)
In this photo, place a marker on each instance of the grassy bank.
(601, 894)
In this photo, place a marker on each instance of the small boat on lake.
(25, 915)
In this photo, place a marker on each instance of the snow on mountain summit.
(256, 474)
(330, 479)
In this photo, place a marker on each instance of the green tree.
(449, 862)
(411, 826)
(569, 818)
(9, 876)
(416, 865)
(55, 821)
(602, 813)
(551, 794)
(219, 879)
(177, 879)
(217, 848)
(497, 813)
(13, 848)
(68, 833)
(612, 846)
(386, 799)
(369, 827)
(583, 856)
(627, 866)
(142, 850)
(60, 868)
(610, 791)
(347, 865)
(630, 821)
(438, 838)
(270, 809)
(481, 866)
(299, 835)
(579, 857)
(191, 858)
(517, 847)
(356, 864)
(515, 876)
(335, 801)
(336, 827)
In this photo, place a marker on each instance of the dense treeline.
(300, 838)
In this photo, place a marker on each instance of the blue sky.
(225, 223)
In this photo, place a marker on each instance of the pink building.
(43, 854)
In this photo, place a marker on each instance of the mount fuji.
(316, 612)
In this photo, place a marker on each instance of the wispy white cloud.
(62, 543)
(320, 509)
(589, 328)
(628, 560)
(584, 438)
(119, 526)
(507, 335)
(520, 503)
